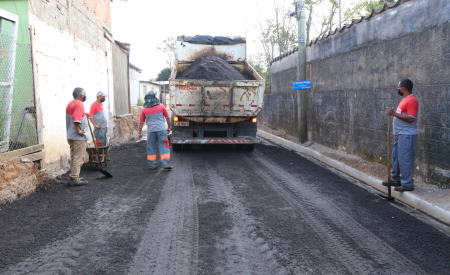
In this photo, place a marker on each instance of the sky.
(146, 23)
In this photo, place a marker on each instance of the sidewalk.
(425, 197)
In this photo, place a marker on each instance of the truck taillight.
(254, 120)
(176, 119)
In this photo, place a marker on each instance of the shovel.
(108, 175)
(388, 158)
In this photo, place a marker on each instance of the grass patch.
(442, 185)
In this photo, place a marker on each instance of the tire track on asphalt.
(170, 241)
(320, 213)
(243, 251)
(88, 248)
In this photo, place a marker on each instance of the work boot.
(76, 182)
(385, 183)
(403, 188)
(168, 167)
(152, 167)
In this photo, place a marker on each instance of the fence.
(17, 107)
(121, 80)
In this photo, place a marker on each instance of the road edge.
(406, 197)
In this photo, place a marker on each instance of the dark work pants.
(403, 154)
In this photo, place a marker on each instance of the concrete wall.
(70, 52)
(102, 8)
(355, 75)
(280, 110)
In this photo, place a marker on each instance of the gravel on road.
(220, 211)
(212, 67)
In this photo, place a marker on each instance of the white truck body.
(214, 105)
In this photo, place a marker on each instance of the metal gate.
(17, 104)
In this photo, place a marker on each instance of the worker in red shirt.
(405, 136)
(76, 126)
(98, 118)
(155, 115)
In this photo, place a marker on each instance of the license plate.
(181, 123)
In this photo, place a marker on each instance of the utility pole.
(301, 71)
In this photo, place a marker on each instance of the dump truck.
(214, 109)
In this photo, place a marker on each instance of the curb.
(406, 197)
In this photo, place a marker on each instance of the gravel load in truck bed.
(212, 67)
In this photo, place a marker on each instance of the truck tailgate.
(216, 98)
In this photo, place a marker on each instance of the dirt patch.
(18, 178)
(212, 67)
(125, 129)
(136, 110)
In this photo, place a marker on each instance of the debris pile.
(212, 67)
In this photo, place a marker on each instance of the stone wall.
(280, 110)
(354, 74)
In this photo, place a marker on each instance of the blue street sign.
(301, 85)
(301, 40)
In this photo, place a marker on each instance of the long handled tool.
(388, 159)
(108, 175)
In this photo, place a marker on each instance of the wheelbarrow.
(102, 154)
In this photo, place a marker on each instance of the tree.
(285, 29)
(164, 74)
(168, 47)
(322, 16)
(276, 37)
(258, 63)
(310, 7)
(364, 8)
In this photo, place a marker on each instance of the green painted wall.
(20, 8)
(21, 134)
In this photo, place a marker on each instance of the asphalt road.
(220, 211)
